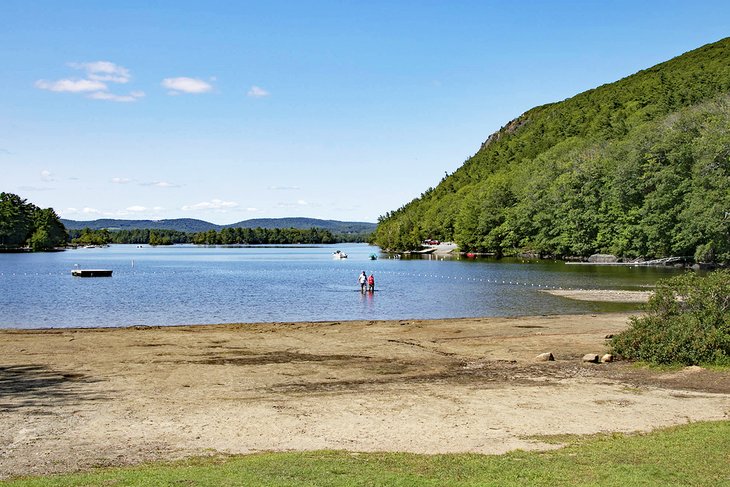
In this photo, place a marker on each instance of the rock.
(602, 258)
(545, 357)
(609, 336)
(590, 357)
(607, 358)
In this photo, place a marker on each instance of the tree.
(16, 223)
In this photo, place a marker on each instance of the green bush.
(687, 322)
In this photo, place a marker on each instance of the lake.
(195, 285)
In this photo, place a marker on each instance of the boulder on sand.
(590, 357)
(545, 357)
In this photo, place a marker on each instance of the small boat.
(338, 254)
(91, 272)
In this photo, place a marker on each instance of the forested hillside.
(637, 168)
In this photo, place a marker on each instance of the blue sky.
(226, 111)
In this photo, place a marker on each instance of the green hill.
(639, 167)
(175, 224)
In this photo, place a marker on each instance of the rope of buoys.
(336, 269)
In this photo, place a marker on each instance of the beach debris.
(606, 358)
(590, 357)
(545, 357)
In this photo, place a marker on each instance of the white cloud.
(252, 210)
(121, 180)
(70, 86)
(90, 211)
(186, 85)
(257, 92)
(137, 208)
(95, 83)
(164, 184)
(214, 204)
(105, 95)
(47, 176)
(104, 71)
(296, 204)
(160, 184)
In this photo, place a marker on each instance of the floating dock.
(91, 272)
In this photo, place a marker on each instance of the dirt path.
(74, 399)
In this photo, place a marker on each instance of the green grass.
(691, 455)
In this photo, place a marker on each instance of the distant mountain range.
(193, 225)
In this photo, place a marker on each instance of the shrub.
(687, 322)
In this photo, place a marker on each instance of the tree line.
(226, 236)
(637, 168)
(24, 225)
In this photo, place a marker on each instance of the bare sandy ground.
(603, 295)
(75, 399)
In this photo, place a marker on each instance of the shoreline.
(72, 399)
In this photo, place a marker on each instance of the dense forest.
(226, 236)
(636, 168)
(25, 226)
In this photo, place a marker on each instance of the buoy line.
(447, 277)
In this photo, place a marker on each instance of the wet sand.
(72, 399)
(602, 295)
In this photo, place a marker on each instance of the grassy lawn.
(691, 455)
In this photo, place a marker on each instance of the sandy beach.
(73, 399)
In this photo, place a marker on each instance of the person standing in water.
(363, 280)
(371, 282)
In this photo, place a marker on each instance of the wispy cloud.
(121, 180)
(47, 176)
(186, 85)
(160, 184)
(137, 208)
(82, 211)
(214, 204)
(104, 71)
(70, 86)
(95, 82)
(257, 92)
(105, 95)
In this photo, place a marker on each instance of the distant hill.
(636, 168)
(193, 225)
(304, 223)
(177, 224)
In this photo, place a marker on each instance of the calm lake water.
(195, 285)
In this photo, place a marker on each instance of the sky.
(345, 110)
